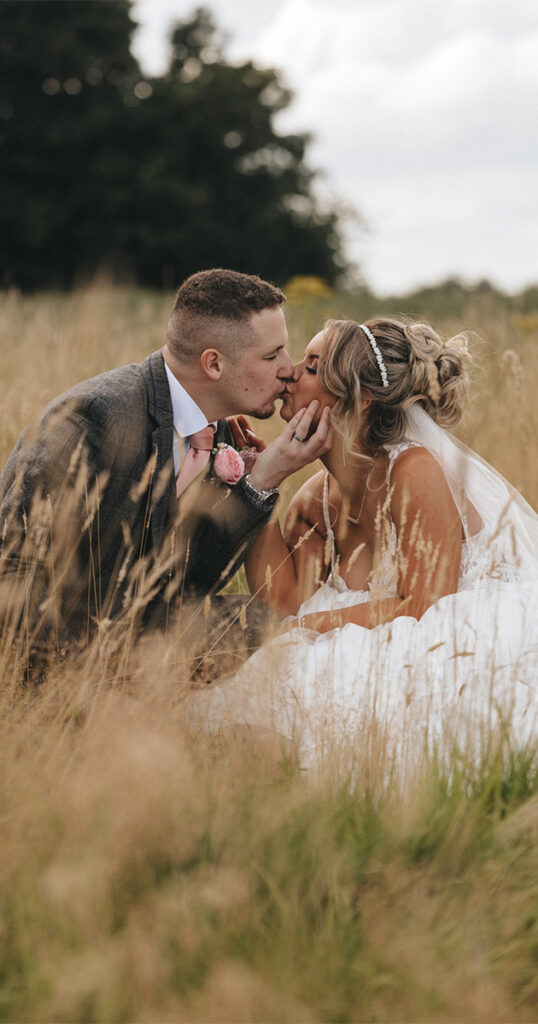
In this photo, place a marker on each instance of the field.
(149, 874)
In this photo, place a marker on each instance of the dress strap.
(330, 533)
(394, 450)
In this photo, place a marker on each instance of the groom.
(113, 507)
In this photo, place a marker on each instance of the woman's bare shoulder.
(306, 504)
(415, 463)
(419, 481)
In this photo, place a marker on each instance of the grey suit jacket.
(88, 506)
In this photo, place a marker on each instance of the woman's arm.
(284, 568)
(429, 535)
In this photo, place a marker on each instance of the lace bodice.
(383, 581)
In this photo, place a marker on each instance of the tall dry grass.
(149, 872)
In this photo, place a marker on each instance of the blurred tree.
(67, 73)
(218, 177)
(152, 178)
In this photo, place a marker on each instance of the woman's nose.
(296, 371)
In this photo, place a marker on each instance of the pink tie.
(196, 458)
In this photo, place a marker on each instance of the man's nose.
(285, 372)
(296, 371)
(292, 373)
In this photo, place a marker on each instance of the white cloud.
(423, 116)
(480, 226)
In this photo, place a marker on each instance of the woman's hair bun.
(438, 372)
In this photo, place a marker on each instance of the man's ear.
(211, 363)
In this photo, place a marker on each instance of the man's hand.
(243, 434)
(294, 449)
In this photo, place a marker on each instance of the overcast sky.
(424, 117)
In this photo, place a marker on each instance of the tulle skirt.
(461, 678)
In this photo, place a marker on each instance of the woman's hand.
(296, 447)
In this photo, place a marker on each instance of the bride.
(406, 572)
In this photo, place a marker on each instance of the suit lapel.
(163, 492)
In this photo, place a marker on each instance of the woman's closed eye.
(312, 368)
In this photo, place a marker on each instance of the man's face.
(259, 377)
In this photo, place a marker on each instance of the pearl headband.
(377, 354)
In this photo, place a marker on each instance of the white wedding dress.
(461, 679)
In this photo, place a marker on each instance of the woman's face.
(304, 385)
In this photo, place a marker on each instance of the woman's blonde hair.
(420, 367)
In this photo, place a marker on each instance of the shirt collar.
(188, 417)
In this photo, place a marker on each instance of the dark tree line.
(103, 168)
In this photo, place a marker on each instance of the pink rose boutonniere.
(229, 465)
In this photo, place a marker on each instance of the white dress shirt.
(188, 418)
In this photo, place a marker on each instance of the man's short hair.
(213, 309)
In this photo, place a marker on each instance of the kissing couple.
(404, 578)
(129, 501)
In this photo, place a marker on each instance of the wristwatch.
(261, 499)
